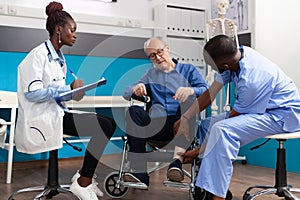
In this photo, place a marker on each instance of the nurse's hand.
(190, 155)
(77, 84)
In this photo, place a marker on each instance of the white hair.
(147, 43)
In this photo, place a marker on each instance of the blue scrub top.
(261, 86)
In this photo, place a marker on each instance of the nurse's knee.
(218, 129)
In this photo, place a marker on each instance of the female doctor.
(41, 121)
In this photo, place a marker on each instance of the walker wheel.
(111, 188)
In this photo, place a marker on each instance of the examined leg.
(175, 172)
(178, 151)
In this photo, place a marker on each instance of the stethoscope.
(59, 61)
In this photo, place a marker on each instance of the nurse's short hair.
(220, 46)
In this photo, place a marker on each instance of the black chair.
(281, 188)
(52, 187)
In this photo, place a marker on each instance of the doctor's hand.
(182, 127)
(183, 93)
(140, 90)
(77, 84)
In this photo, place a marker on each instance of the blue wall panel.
(266, 155)
(8, 68)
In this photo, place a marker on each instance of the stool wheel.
(113, 187)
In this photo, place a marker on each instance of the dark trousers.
(99, 127)
(140, 128)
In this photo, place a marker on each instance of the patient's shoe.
(141, 178)
(84, 193)
(175, 172)
(201, 194)
(96, 189)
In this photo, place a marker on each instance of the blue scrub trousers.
(225, 136)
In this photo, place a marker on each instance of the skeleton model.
(215, 27)
(240, 10)
(220, 26)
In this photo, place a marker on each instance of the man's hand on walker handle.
(140, 90)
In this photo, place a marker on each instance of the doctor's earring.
(59, 41)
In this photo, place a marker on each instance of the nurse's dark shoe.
(201, 194)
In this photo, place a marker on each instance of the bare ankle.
(84, 181)
(217, 198)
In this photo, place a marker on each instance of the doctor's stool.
(52, 187)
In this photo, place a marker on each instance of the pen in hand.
(77, 83)
(73, 74)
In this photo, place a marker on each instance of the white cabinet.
(183, 28)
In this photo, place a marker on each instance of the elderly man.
(172, 86)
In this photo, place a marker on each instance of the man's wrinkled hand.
(140, 90)
(183, 93)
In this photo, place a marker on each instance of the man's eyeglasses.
(159, 52)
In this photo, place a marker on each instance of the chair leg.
(52, 188)
(280, 188)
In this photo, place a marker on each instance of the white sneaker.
(84, 193)
(96, 189)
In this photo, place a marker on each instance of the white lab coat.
(39, 125)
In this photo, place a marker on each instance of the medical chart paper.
(66, 96)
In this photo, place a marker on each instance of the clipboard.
(66, 96)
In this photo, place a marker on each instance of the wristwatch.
(227, 108)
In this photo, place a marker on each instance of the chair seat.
(292, 135)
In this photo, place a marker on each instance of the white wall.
(125, 17)
(277, 34)
(140, 9)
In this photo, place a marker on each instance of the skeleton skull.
(222, 6)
